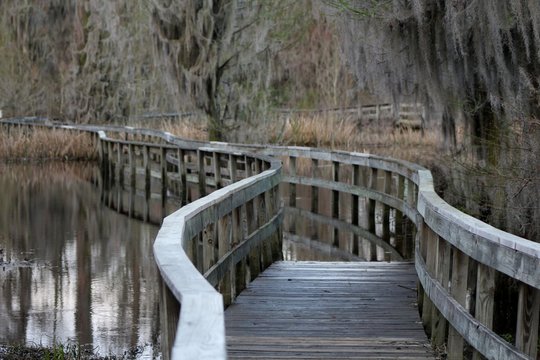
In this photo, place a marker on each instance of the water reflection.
(311, 233)
(71, 268)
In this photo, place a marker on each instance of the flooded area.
(72, 269)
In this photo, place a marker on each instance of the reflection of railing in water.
(456, 257)
(355, 235)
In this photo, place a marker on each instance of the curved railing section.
(457, 257)
(209, 249)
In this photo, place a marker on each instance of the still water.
(72, 269)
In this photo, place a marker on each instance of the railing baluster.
(527, 320)
(460, 270)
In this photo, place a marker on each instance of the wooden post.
(208, 245)
(272, 207)
(460, 270)
(527, 320)
(292, 187)
(485, 295)
(224, 245)
(428, 237)
(398, 220)
(169, 314)
(232, 168)
(411, 198)
(371, 203)
(255, 253)
(386, 208)
(335, 202)
(265, 214)
(202, 173)
(217, 169)
(314, 189)
(438, 328)
(240, 268)
(182, 175)
(355, 209)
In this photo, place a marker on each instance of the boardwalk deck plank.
(315, 310)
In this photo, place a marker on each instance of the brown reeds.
(45, 144)
(335, 132)
(327, 131)
(192, 129)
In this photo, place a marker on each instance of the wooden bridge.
(226, 290)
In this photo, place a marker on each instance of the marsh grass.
(45, 144)
(193, 129)
(338, 133)
(327, 131)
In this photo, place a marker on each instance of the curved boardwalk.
(328, 310)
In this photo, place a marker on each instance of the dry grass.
(333, 132)
(328, 131)
(193, 129)
(42, 144)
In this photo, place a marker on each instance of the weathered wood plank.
(328, 310)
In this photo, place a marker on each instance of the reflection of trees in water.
(91, 272)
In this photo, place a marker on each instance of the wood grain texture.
(330, 310)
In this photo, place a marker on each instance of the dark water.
(72, 269)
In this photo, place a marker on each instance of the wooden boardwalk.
(328, 310)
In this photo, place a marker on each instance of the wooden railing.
(457, 257)
(368, 112)
(209, 249)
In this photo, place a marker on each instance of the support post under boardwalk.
(225, 234)
(216, 157)
(386, 208)
(398, 220)
(202, 173)
(182, 175)
(355, 209)
(314, 189)
(485, 298)
(460, 270)
(371, 202)
(527, 322)
(335, 202)
(430, 239)
(439, 323)
(292, 187)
